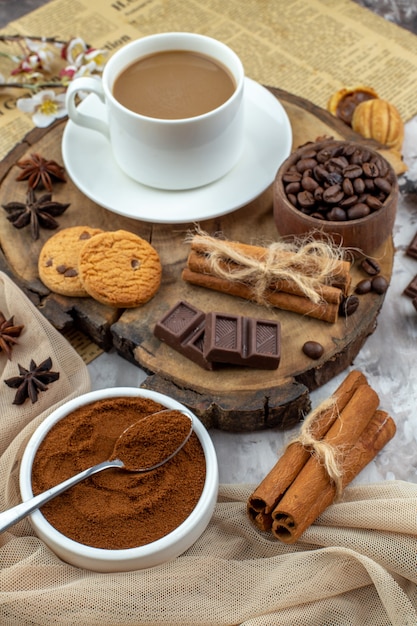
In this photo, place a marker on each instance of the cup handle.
(91, 85)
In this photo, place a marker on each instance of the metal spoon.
(15, 514)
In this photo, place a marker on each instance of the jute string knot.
(307, 263)
(327, 454)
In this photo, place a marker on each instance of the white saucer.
(90, 164)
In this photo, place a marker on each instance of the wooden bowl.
(364, 234)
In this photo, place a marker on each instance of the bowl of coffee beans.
(338, 189)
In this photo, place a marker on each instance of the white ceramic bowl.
(155, 553)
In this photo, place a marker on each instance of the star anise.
(40, 171)
(36, 212)
(30, 382)
(8, 333)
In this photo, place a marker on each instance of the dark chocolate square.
(239, 340)
(182, 328)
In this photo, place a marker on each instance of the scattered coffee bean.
(364, 286)
(379, 284)
(313, 349)
(339, 176)
(349, 305)
(371, 267)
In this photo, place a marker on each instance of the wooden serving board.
(233, 398)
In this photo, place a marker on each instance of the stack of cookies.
(116, 268)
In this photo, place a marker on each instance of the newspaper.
(310, 49)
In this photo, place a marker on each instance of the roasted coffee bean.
(374, 203)
(359, 185)
(348, 187)
(308, 183)
(318, 194)
(371, 267)
(357, 211)
(305, 199)
(338, 162)
(379, 284)
(304, 164)
(324, 155)
(293, 188)
(364, 286)
(382, 166)
(357, 157)
(320, 173)
(353, 171)
(313, 349)
(349, 305)
(370, 170)
(337, 214)
(383, 184)
(333, 194)
(291, 176)
(292, 198)
(349, 201)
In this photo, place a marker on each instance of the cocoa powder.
(152, 440)
(114, 509)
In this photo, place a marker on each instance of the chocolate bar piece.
(412, 248)
(411, 289)
(182, 328)
(239, 340)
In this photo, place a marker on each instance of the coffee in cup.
(174, 108)
(175, 84)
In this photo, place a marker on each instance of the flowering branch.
(45, 64)
(18, 38)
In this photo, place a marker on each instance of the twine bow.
(310, 265)
(328, 455)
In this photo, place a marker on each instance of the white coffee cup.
(167, 153)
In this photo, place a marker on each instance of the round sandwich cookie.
(58, 260)
(120, 269)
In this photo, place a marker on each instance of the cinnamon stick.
(290, 520)
(299, 505)
(341, 276)
(197, 262)
(326, 311)
(266, 496)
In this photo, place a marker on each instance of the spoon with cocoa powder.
(142, 447)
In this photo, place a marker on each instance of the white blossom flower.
(95, 59)
(74, 51)
(42, 51)
(45, 106)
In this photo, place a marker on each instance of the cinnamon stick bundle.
(268, 493)
(351, 431)
(289, 522)
(340, 275)
(299, 281)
